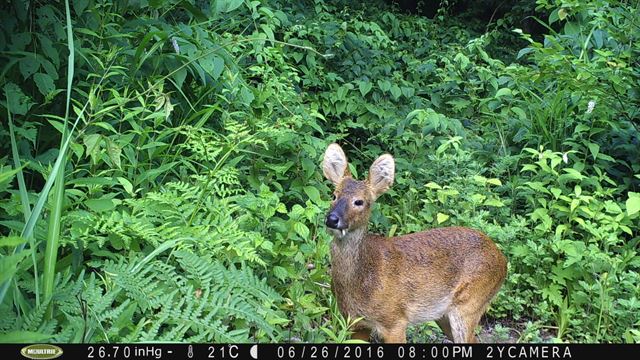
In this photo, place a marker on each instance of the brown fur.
(445, 274)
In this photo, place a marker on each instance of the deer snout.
(333, 221)
(336, 216)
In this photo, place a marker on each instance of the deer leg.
(395, 334)
(463, 325)
(443, 322)
(361, 334)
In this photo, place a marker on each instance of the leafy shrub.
(188, 204)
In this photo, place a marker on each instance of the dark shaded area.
(518, 13)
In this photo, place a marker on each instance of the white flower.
(590, 106)
(176, 47)
(565, 158)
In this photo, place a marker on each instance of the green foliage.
(189, 199)
(196, 298)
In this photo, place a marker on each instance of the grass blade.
(53, 234)
(24, 198)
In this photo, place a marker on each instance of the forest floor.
(490, 331)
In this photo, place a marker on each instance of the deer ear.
(334, 164)
(381, 175)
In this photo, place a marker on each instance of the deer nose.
(332, 221)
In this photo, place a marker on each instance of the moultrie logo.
(41, 351)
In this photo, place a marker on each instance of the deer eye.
(335, 197)
(358, 202)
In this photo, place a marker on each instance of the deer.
(448, 275)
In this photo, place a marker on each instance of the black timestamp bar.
(165, 351)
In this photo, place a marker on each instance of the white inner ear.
(382, 173)
(334, 163)
(337, 163)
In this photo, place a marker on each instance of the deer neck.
(348, 251)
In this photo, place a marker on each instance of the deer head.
(353, 199)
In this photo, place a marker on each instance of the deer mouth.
(339, 233)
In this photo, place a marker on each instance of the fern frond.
(35, 319)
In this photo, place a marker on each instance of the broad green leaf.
(179, 77)
(408, 92)
(562, 13)
(114, 151)
(19, 103)
(227, 5)
(301, 229)
(553, 17)
(268, 31)
(9, 265)
(79, 6)
(574, 204)
(28, 66)
(49, 68)
(518, 111)
(99, 205)
(12, 240)
(313, 194)
(213, 65)
(126, 184)
(20, 41)
(495, 202)
(573, 174)
(432, 185)
(92, 143)
(598, 38)
(633, 203)
(246, 95)
(571, 28)
(503, 92)
(384, 85)
(477, 198)
(58, 125)
(280, 272)
(44, 83)
(612, 207)
(364, 87)
(524, 52)
(395, 92)
(462, 59)
(297, 56)
(309, 166)
(594, 149)
(341, 92)
(49, 51)
(442, 218)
